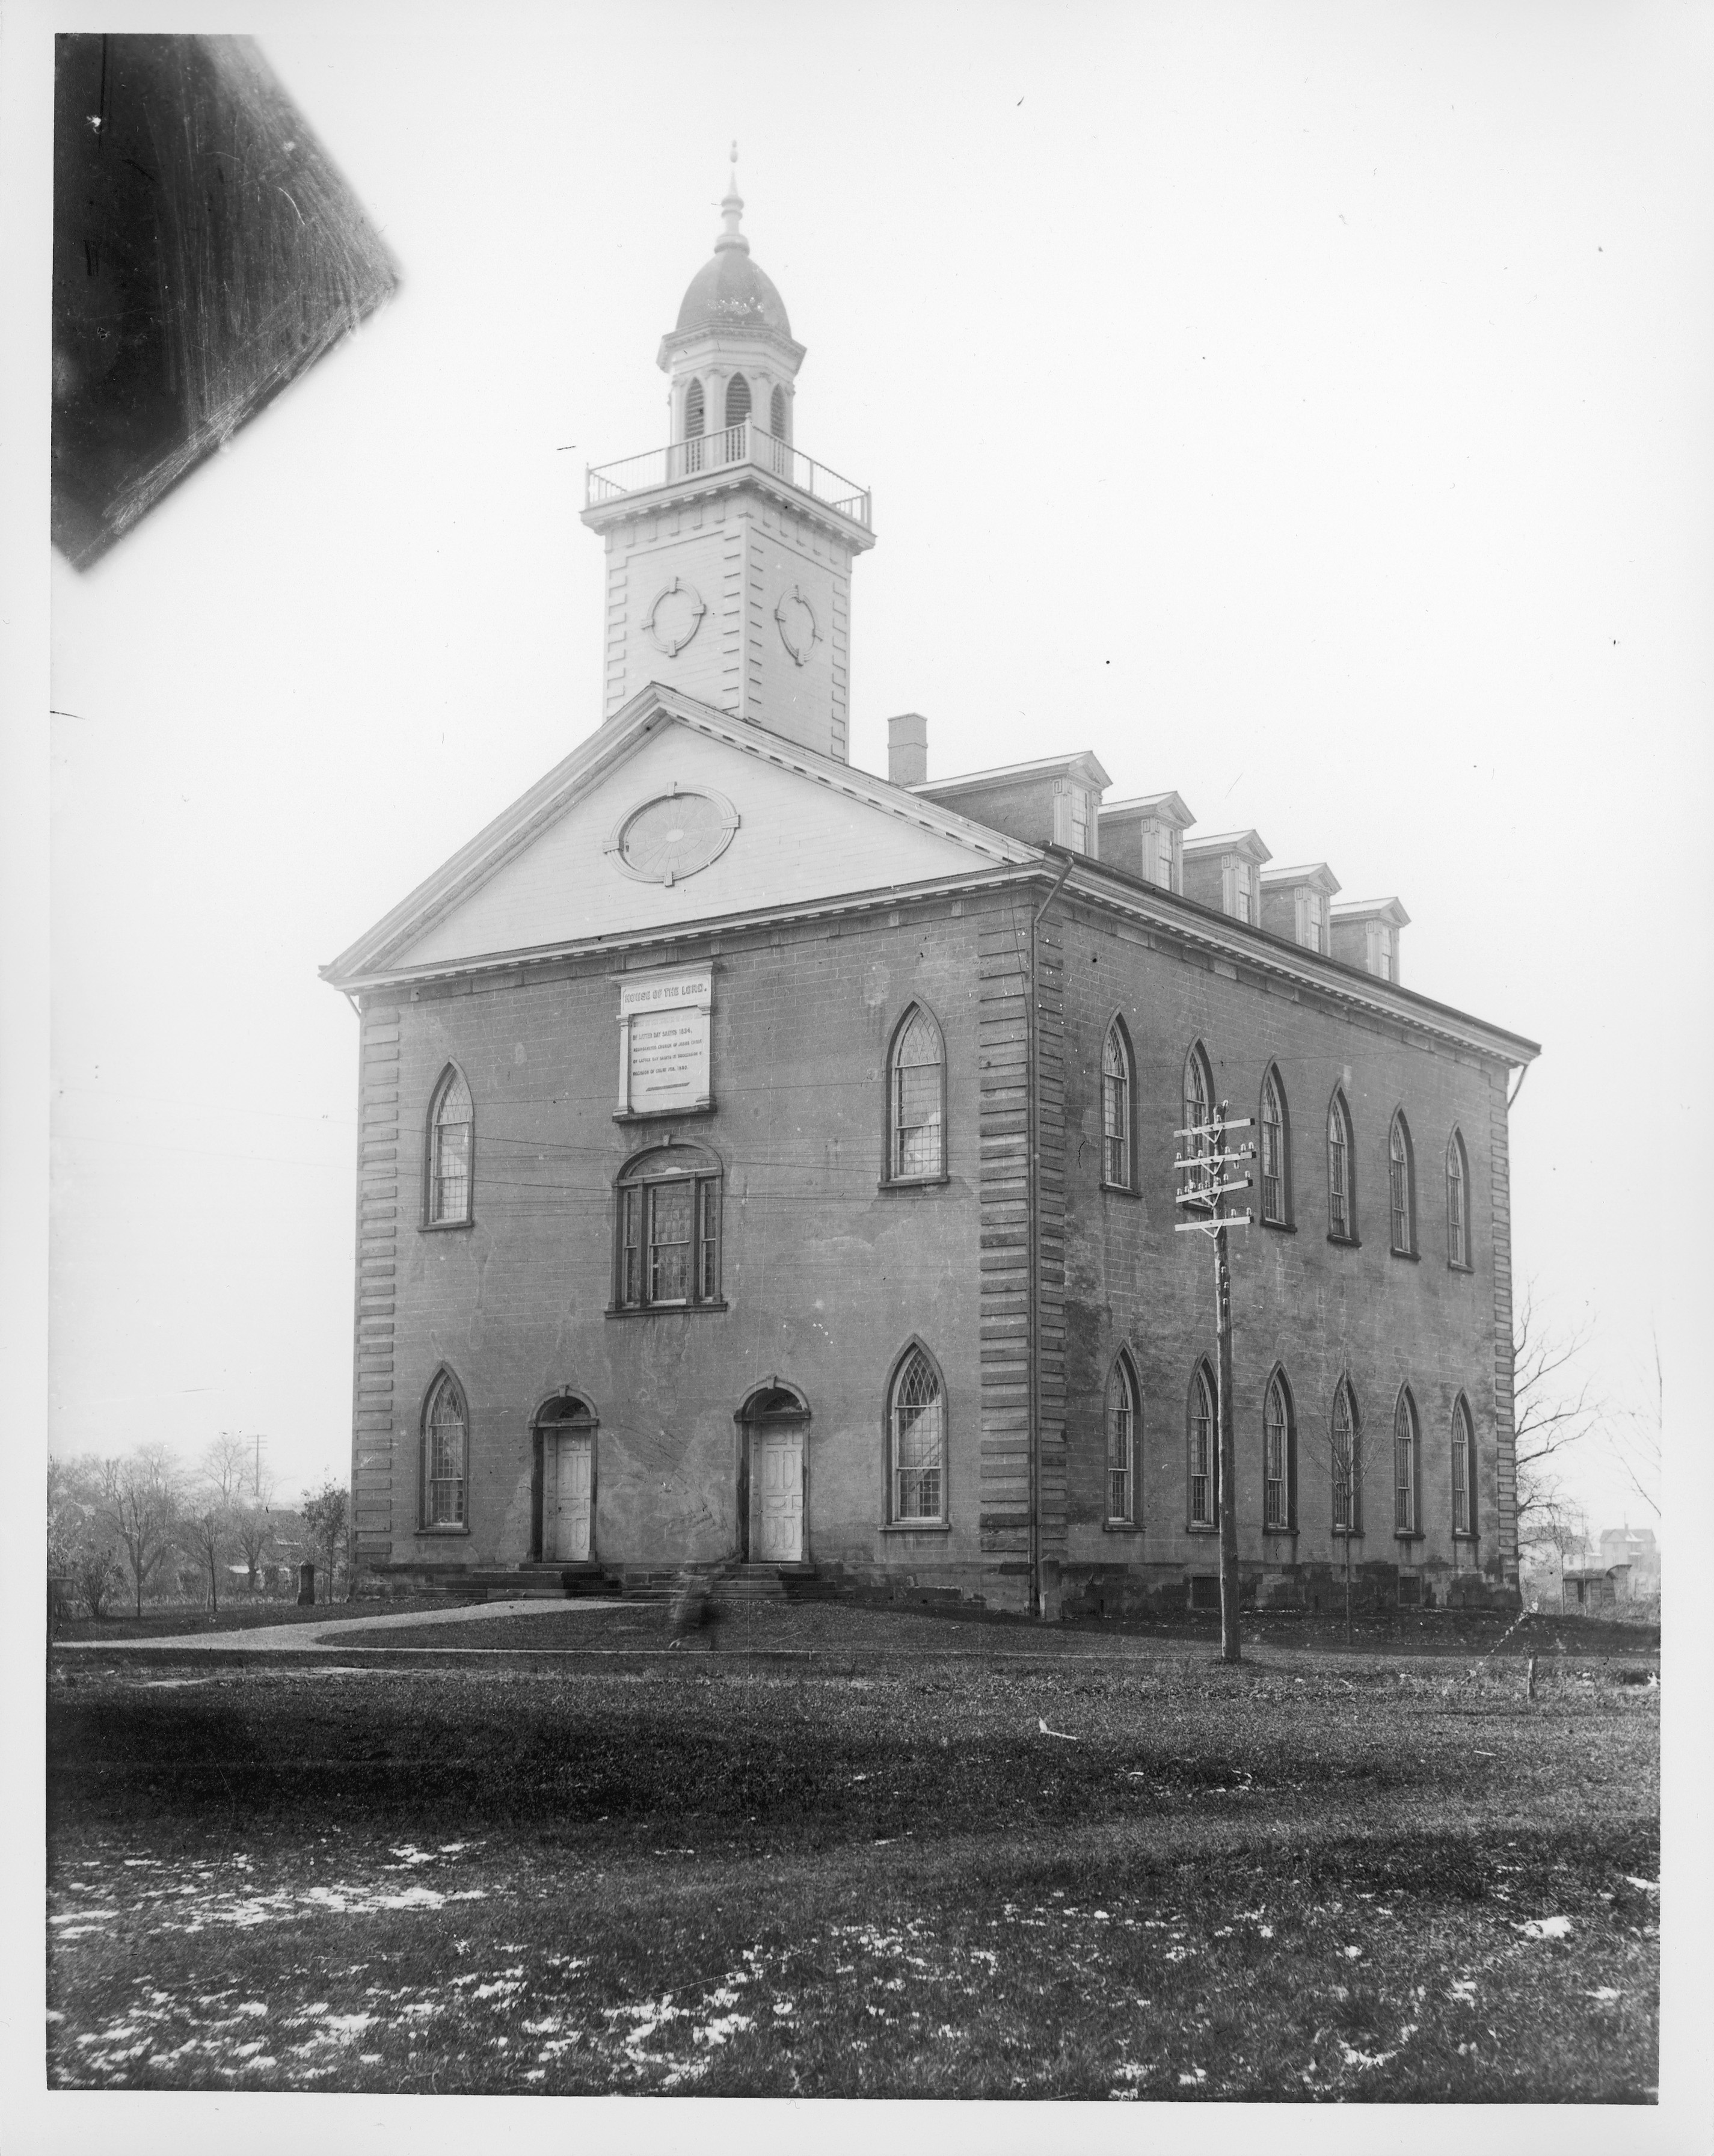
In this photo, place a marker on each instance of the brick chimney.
(907, 749)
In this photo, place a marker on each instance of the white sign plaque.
(664, 1041)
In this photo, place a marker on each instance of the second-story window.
(916, 1100)
(1275, 1182)
(1402, 1187)
(452, 1135)
(1341, 1210)
(1198, 1110)
(1457, 1212)
(1116, 1109)
(667, 1244)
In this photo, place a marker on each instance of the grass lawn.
(1140, 1876)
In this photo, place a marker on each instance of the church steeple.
(750, 541)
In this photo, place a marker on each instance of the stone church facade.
(762, 1160)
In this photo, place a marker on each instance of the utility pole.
(1206, 1184)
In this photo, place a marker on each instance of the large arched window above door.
(917, 1442)
(667, 1238)
(445, 1454)
(917, 1100)
(452, 1147)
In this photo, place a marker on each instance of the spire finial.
(731, 210)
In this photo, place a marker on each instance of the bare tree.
(79, 1540)
(207, 1531)
(1553, 1409)
(327, 1515)
(234, 1469)
(139, 1505)
(1638, 1434)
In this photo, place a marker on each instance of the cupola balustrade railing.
(746, 443)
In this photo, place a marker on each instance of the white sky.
(1305, 407)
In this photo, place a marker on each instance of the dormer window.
(1080, 820)
(1381, 950)
(1242, 904)
(1160, 856)
(1312, 921)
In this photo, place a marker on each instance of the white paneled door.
(776, 1478)
(567, 1491)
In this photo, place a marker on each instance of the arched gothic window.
(452, 1135)
(1401, 1177)
(737, 401)
(1199, 1107)
(1407, 1467)
(1116, 1108)
(695, 411)
(1457, 1207)
(1205, 1450)
(445, 1448)
(1124, 1425)
(1463, 1469)
(667, 1243)
(1275, 1153)
(916, 1441)
(1347, 1464)
(776, 414)
(1279, 1459)
(1342, 1196)
(916, 1100)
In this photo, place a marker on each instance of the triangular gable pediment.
(546, 872)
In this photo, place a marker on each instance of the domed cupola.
(729, 549)
(732, 355)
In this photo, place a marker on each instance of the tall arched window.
(1457, 1209)
(1407, 1467)
(1205, 1450)
(452, 1135)
(445, 1446)
(1275, 1153)
(776, 414)
(916, 1441)
(1347, 1464)
(695, 411)
(1199, 1108)
(1401, 1177)
(1342, 1195)
(666, 1253)
(1279, 1459)
(1463, 1469)
(737, 401)
(916, 1100)
(1124, 1423)
(1116, 1108)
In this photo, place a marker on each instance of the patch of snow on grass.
(1545, 1928)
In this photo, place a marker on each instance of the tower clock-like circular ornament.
(799, 631)
(675, 617)
(672, 835)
